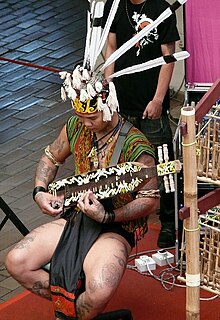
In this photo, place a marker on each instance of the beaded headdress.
(86, 87)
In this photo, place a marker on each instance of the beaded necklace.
(95, 150)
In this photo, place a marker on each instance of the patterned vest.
(135, 144)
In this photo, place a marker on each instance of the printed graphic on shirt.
(142, 21)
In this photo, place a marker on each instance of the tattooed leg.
(42, 289)
(103, 270)
(25, 260)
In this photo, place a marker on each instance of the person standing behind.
(144, 96)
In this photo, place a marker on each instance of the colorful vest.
(134, 146)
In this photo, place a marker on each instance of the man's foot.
(166, 236)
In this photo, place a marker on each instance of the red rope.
(28, 64)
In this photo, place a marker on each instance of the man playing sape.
(89, 244)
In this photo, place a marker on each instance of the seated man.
(88, 245)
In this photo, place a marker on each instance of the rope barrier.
(28, 64)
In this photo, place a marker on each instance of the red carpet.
(143, 295)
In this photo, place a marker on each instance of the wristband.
(38, 189)
(109, 217)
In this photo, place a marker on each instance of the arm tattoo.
(133, 207)
(45, 173)
(58, 145)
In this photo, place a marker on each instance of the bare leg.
(104, 267)
(25, 260)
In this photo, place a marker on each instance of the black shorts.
(108, 227)
(117, 228)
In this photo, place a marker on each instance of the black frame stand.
(9, 214)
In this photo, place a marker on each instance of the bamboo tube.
(208, 149)
(214, 158)
(191, 225)
(205, 153)
(200, 165)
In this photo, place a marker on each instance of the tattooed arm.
(143, 205)
(46, 172)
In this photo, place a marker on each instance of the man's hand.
(91, 206)
(49, 204)
(153, 110)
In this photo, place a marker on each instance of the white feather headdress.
(86, 87)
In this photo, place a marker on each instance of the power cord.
(166, 277)
(164, 281)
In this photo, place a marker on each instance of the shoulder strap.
(123, 132)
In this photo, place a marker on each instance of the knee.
(100, 297)
(15, 262)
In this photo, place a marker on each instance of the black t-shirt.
(134, 91)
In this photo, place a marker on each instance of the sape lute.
(107, 182)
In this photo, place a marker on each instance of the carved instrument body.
(108, 182)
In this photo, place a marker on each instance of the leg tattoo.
(41, 289)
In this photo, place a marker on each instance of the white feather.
(112, 100)
(76, 78)
(95, 34)
(63, 94)
(76, 72)
(149, 64)
(76, 83)
(62, 74)
(181, 55)
(99, 103)
(87, 46)
(83, 95)
(72, 93)
(98, 86)
(104, 108)
(85, 75)
(68, 79)
(108, 23)
(130, 43)
(106, 113)
(90, 90)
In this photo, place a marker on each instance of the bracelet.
(51, 157)
(109, 217)
(38, 189)
(148, 194)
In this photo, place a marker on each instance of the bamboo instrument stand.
(201, 233)
(191, 226)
